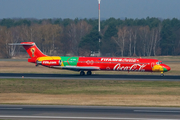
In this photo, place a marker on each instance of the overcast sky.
(89, 8)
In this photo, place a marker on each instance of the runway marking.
(156, 111)
(11, 108)
(64, 117)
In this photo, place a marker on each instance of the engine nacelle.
(50, 63)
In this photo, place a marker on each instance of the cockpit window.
(159, 62)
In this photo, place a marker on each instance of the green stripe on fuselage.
(69, 61)
(165, 70)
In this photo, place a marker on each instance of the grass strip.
(89, 87)
(90, 92)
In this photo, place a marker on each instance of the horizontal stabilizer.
(21, 44)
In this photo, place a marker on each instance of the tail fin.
(31, 49)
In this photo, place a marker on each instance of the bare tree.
(130, 33)
(3, 42)
(157, 38)
(143, 32)
(150, 42)
(56, 38)
(75, 32)
(14, 37)
(134, 34)
(120, 40)
(72, 35)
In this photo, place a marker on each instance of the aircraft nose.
(166, 68)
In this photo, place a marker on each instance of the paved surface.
(87, 112)
(93, 77)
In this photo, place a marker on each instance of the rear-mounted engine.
(49, 63)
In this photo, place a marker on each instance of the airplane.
(90, 64)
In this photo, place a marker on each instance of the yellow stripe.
(49, 58)
(157, 68)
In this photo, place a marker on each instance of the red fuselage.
(123, 64)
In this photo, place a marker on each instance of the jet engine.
(49, 63)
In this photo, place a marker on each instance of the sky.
(72, 9)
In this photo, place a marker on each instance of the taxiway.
(87, 112)
(91, 77)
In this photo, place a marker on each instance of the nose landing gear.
(162, 74)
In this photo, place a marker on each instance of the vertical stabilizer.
(32, 50)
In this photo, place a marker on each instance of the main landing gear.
(83, 73)
(89, 73)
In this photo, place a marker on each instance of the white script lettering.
(134, 67)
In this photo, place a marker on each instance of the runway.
(87, 113)
(92, 77)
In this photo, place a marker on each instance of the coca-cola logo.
(134, 67)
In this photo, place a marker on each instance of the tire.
(82, 73)
(89, 73)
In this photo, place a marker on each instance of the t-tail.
(32, 50)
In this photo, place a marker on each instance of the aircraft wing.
(76, 68)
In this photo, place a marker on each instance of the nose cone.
(166, 68)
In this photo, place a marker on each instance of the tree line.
(80, 37)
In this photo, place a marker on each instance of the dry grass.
(89, 87)
(88, 92)
(114, 100)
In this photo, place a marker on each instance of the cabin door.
(152, 64)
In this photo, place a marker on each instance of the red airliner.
(92, 63)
